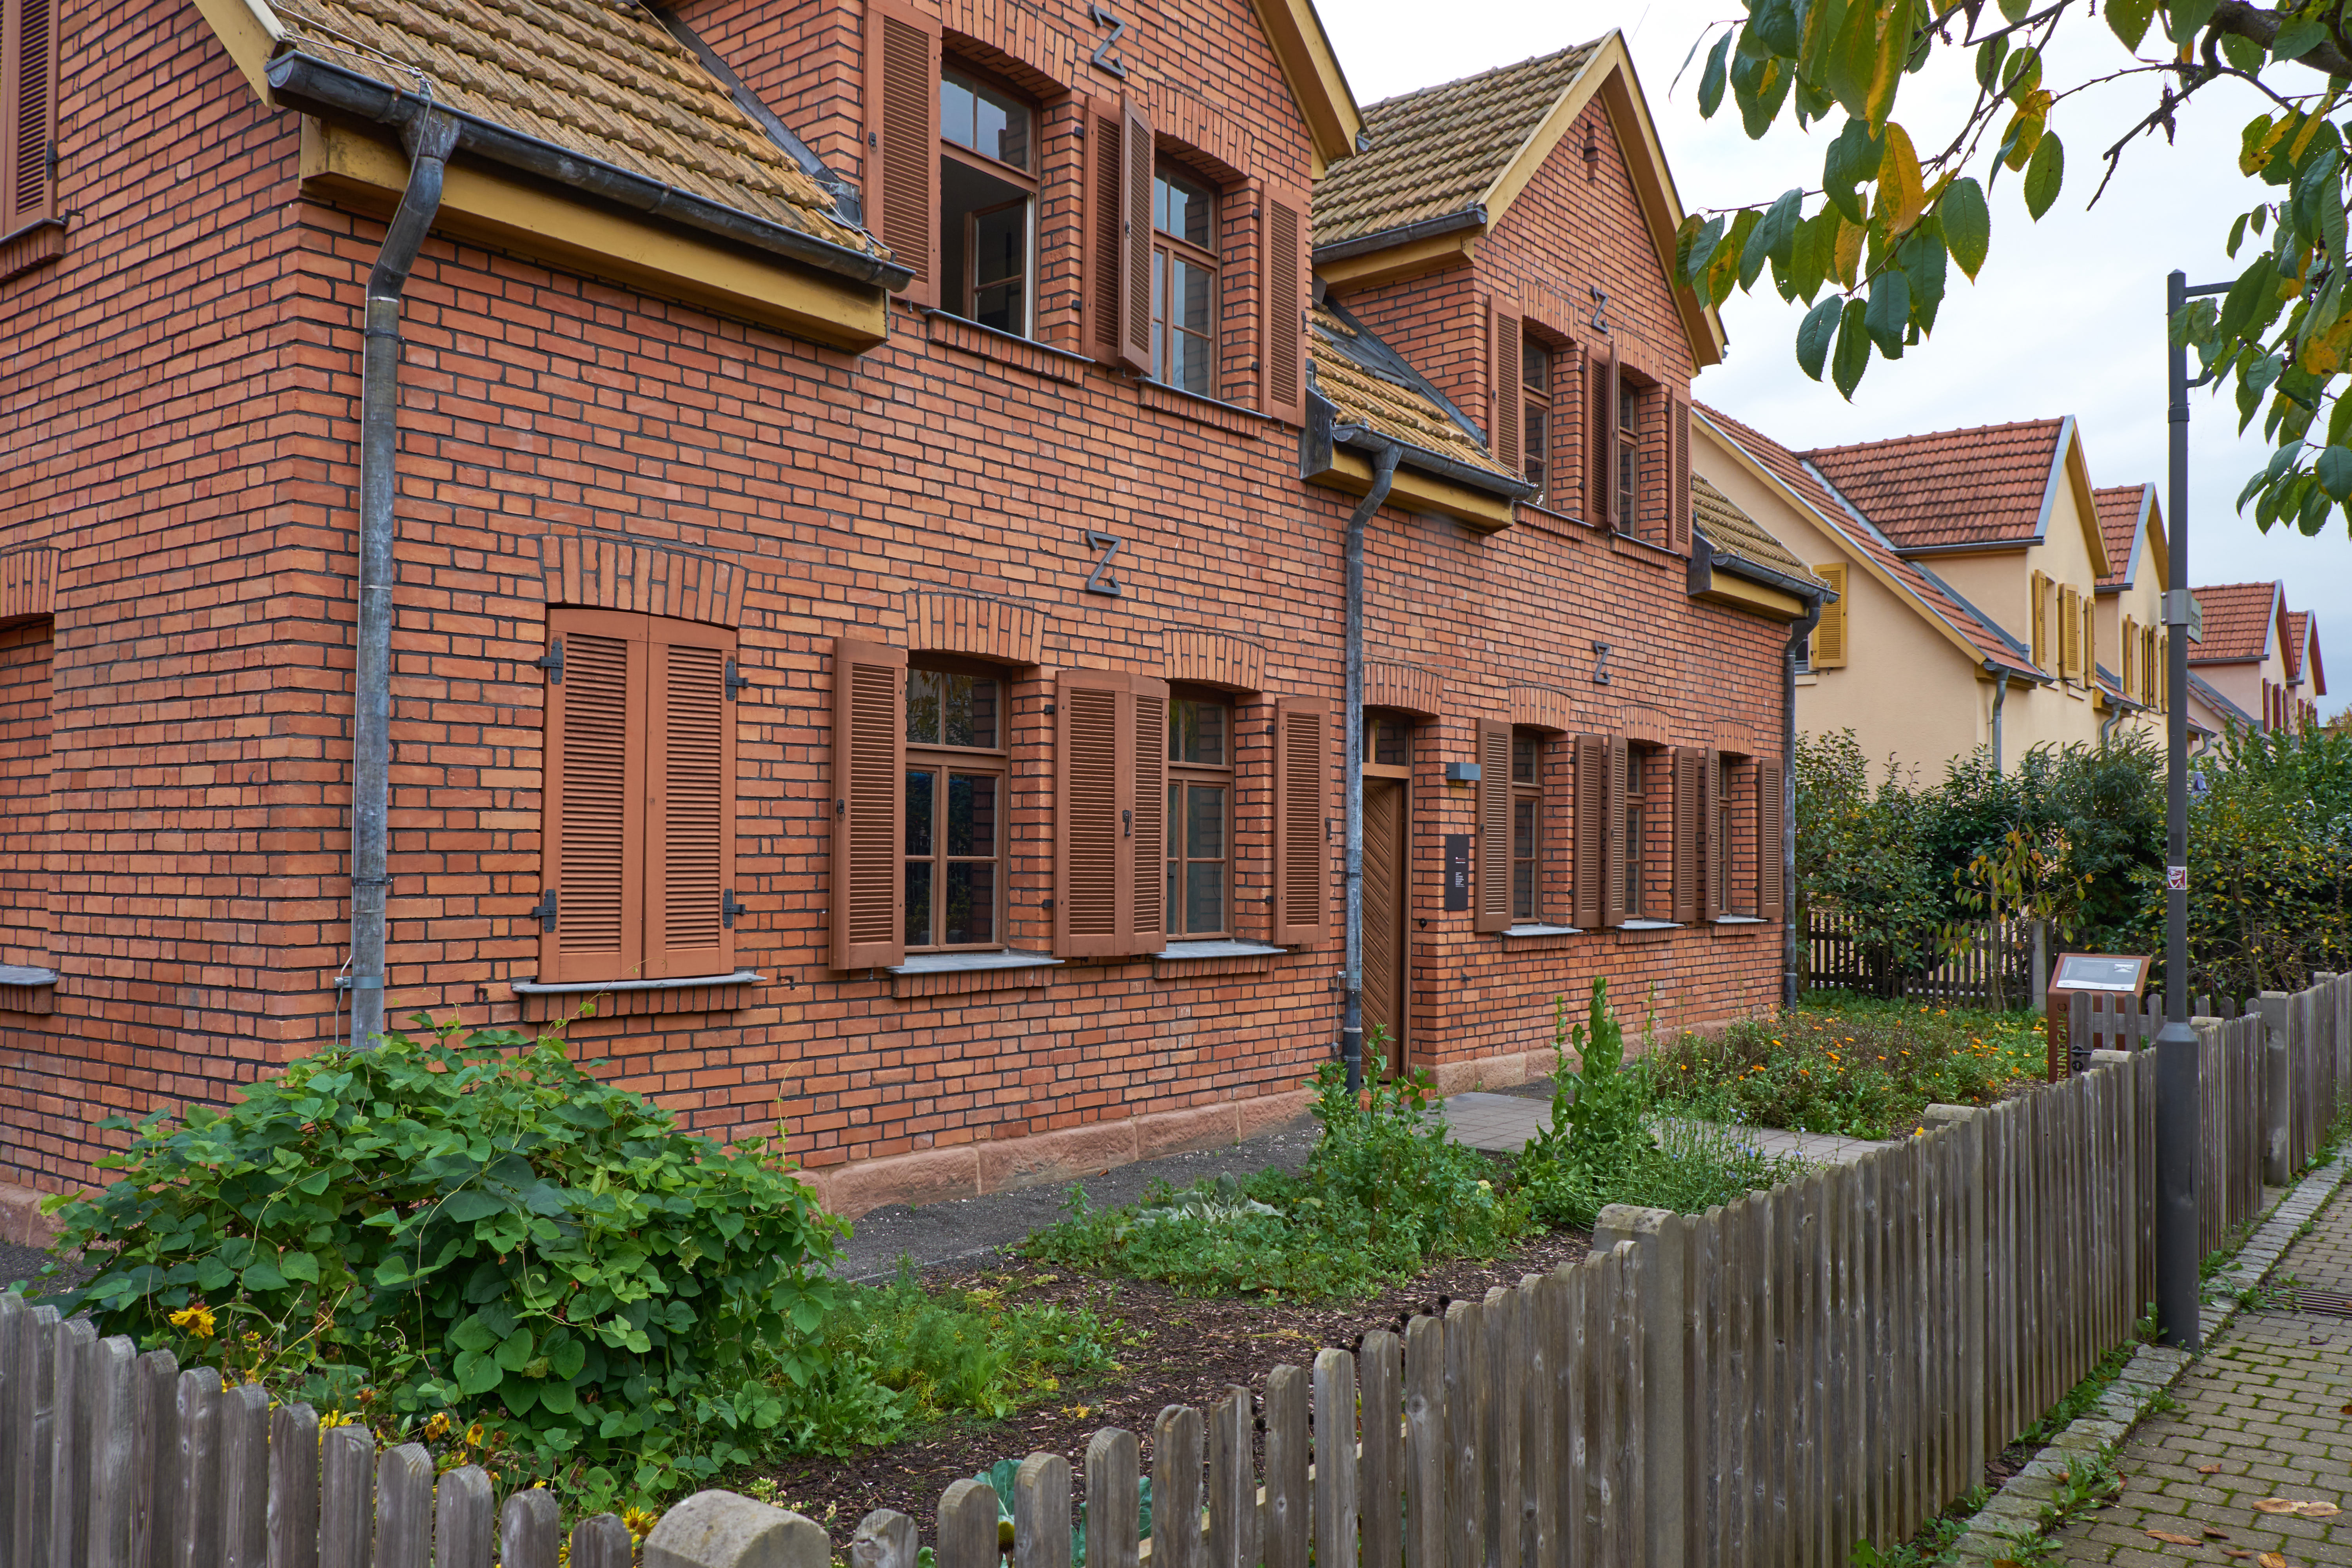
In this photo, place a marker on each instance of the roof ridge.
(1372, 107)
(2056, 421)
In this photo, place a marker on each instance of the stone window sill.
(955, 973)
(679, 982)
(1216, 955)
(1651, 925)
(26, 988)
(1002, 347)
(968, 962)
(1533, 929)
(1741, 920)
(634, 998)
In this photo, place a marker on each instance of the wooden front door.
(1386, 858)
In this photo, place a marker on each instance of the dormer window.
(987, 198)
(1183, 282)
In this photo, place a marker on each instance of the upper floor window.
(1183, 282)
(955, 801)
(1632, 503)
(988, 193)
(1534, 384)
(1200, 814)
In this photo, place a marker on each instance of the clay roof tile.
(2239, 618)
(1982, 486)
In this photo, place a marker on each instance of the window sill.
(1741, 920)
(1534, 930)
(636, 998)
(1230, 417)
(1002, 347)
(1216, 955)
(1650, 925)
(956, 974)
(23, 251)
(23, 988)
(1564, 520)
(1643, 550)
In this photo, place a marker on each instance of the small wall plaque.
(1457, 870)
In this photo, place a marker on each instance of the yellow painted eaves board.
(1609, 76)
(1399, 261)
(1740, 593)
(2087, 504)
(248, 32)
(1855, 554)
(538, 221)
(1312, 71)
(1412, 491)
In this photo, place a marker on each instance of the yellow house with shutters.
(1978, 604)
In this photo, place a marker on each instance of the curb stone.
(2003, 1526)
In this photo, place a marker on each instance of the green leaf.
(1775, 25)
(263, 1276)
(2015, 11)
(2044, 174)
(298, 1266)
(2243, 53)
(565, 1357)
(473, 1334)
(1968, 225)
(2334, 471)
(2129, 19)
(1771, 237)
(514, 1351)
(1853, 156)
(2298, 37)
(1922, 260)
(1853, 354)
(1814, 335)
(2184, 19)
(2251, 299)
(1991, 53)
(477, 1373)
(2237, 237)
(1711, 78)
(471, 1204)
(1889, 313)
(557, 1397)
(1811, 257)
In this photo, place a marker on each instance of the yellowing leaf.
(2024, 132)
(2272, 1560)
(2256, 155)
(2177, 1540)
(2316, 1511)
(1846, 252)
(1901, 199)
(2272, 1505)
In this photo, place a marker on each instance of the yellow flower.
(474, 1435)
(640, 1521)
(197, 1319)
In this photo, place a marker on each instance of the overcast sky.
(2065, 317)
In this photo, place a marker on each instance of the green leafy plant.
(445, 1231)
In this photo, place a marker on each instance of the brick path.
(2265, 1404)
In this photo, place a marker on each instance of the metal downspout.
(1351, 1000)
(429, 137)
(1999, 696)
(1791, 975)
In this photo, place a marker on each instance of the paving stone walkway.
(2263, 1414)
(1502, 1123)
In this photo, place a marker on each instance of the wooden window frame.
(1536, 415)
(1166, 250)
(1184, 777)
(1027, 180)
(1631, 449)
(978, 762)
(1527, 795)
(1635, 805)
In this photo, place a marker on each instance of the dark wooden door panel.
(1384, 913)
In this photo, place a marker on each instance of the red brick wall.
(25, 794)
(193, 364)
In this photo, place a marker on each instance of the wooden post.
(1466, 1426)
(154, 1459)
(602, 1540)
(245, 1475)
(1628, 1329)
(111, 1369)
(1040, 1511)
(1538, 1466)
(35, 1422)
(294, 1490)
(13, 1416)
(1425, 1469)
(529, 1530)
(1232, 1481)
(1500, 1433)
(1112, 1470)
(886, 1539)
(1380, 1364)
(199, 1505)
(1662, 1240)
(1336, 1495)
(1286, 1458)
(404, 1507)
(1176, 1487)
(465, 1517)
(346, 1497)
(968, 1534)
(1572, 1441)
(2277, 1096)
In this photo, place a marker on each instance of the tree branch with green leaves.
(1872, 245)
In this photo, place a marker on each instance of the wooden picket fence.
(1835, 960)
(1768, 1382)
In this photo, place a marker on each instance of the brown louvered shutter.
(1600, 436)
(1302, 866)
(1094, 801)
(1678, 474)
(690, 816)
(1135, 208)
(2038, 586)
(1829, 632)
(1689, 793)
(1106, 283)
(1506, 426)
(1283, 308)
(1612, 826)
(902, 148)
(1714, 857)
(869, 773)
(1493, 896)
(593, 856)
(1147, 921)
(1592, 836)
(1771, 895)
(28, 101)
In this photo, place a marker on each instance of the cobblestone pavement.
(1502, 1123)
(2263, 1414)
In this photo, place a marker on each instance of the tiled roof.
(601, 78)
(2121, 507)
(1733, 533)
(1437, 151)
(1372, 386)
(1952, 487)
(1980, 634)
(2239, 621)
(2298, 624)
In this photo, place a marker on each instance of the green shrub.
(1385, 1191)
(970, 1351)
(471, 1230)
(1853, 1066)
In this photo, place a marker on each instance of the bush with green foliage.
(1385, 1191)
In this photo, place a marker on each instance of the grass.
(1855, 1066)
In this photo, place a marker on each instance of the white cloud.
(2067, 317)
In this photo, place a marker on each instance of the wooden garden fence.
(1768, 1382)
(1836, 960)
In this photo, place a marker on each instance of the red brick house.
(864, 603)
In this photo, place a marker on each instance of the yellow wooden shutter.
(1830, 636)
(2040, 590)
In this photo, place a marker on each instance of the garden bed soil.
(1191, 1348)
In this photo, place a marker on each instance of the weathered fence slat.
(245, 1475)
(885, 1539)
(403, 1506)
(1285, 1540)
(1176, 1483)
(346, 1497)
(968, 1537)
(1380, 1366)
(112, 1411)
(294, 1490)
(465, 1523)
(1112, 1470)
(199, 1507)
(602, 1540)
(1233, 1482)
(1041, 1513)
(529, 1530)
